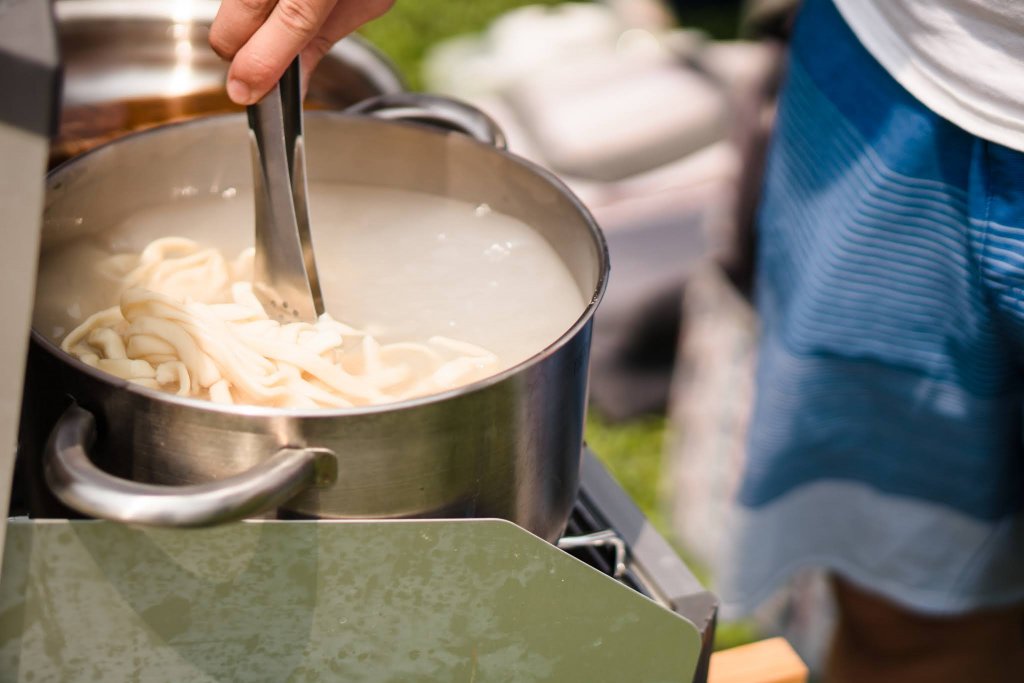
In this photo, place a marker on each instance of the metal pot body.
(505, 447)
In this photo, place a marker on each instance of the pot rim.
(241, 410)
(198, 11)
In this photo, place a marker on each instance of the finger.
(343, 20)
(235, 23)
(261, 61)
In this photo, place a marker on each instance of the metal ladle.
(285, 278)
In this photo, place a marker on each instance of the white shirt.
(963, 59)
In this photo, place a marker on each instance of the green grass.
(632, 453)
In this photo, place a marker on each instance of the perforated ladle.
(285, 278)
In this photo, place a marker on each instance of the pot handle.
(79, 484)
(438, 111)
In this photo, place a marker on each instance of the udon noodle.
(188, 323)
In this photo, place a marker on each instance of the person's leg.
(885, 443)
(877, 641)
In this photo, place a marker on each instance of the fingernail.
(239, 91)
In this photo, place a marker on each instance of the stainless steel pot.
(130, 64)
(508, 446)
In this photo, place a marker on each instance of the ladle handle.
(284, 266)
(82, 486)
(436, 111)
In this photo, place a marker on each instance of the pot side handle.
(80, 485)
(441, 112)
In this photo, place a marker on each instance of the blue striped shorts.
(886, 438)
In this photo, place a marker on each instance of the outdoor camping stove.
(411, 600)
(150, 598)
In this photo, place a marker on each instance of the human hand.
(261, 37)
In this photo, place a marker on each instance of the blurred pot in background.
(132, 64)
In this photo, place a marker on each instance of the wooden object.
(768, 661)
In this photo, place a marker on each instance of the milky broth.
(404, 266)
